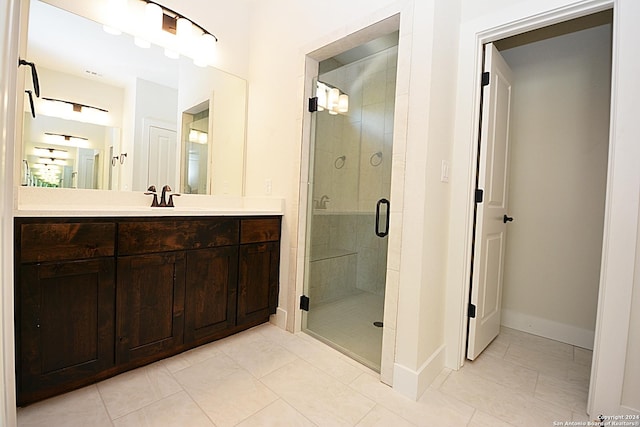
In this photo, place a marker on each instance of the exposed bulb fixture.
(51, 152)
(198, 137)
(74, 111)
(66, 140)
(152, 23)
(331, 99)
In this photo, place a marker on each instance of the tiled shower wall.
(346, 257)
(353, 169)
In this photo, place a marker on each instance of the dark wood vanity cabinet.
(259, 269)
(150, 306)
(98, 297)
(211, 293)
(65, 304)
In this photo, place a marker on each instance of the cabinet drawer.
(65, 241)
(260, 230)
(138, 237)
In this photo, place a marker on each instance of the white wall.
(8, 59)
(559, 145)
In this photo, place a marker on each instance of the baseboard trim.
(279, 319)
(413, 383)
(548, 329)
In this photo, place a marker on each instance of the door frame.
(622, 200)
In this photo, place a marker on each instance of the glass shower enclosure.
(348, 211)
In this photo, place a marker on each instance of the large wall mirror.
(110, 114)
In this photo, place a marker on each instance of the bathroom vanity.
(96, 296)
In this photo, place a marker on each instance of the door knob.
(506, 218)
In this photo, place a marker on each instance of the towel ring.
(372, 160)
(339, 162)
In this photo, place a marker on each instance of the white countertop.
(62, 202)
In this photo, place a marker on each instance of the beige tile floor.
(268, 377)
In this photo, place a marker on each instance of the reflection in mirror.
(137, 90)
(195, 149)
(66, 153)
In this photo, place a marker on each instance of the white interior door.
(491, 219)
(162, 158)
(86, 165)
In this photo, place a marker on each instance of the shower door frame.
(311, 65)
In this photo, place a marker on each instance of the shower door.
(348, 209)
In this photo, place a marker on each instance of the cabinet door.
(211, 283)
(258, 282)
(66, 325)
(150, 306)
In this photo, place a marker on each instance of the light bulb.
(193, 135)
(153, 17)
(206, 52)
(334, 96)
(184, 28)
(321, 93)
(343, 103)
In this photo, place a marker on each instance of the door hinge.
(472, 311)
(479, 195)
(313, 104)
(304, 302)
(485, 78)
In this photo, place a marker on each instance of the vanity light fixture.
(74, 111)
(51, 152)
(75, 106)
(150, 22)
(198, 137)
(66, 140)
(331, 98)
(52, 161)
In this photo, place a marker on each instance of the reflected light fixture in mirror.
(151, 23)
(66, 140)
(70, 110)
(331, 99)
(51, 152)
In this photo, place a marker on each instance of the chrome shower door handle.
(385, 231)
